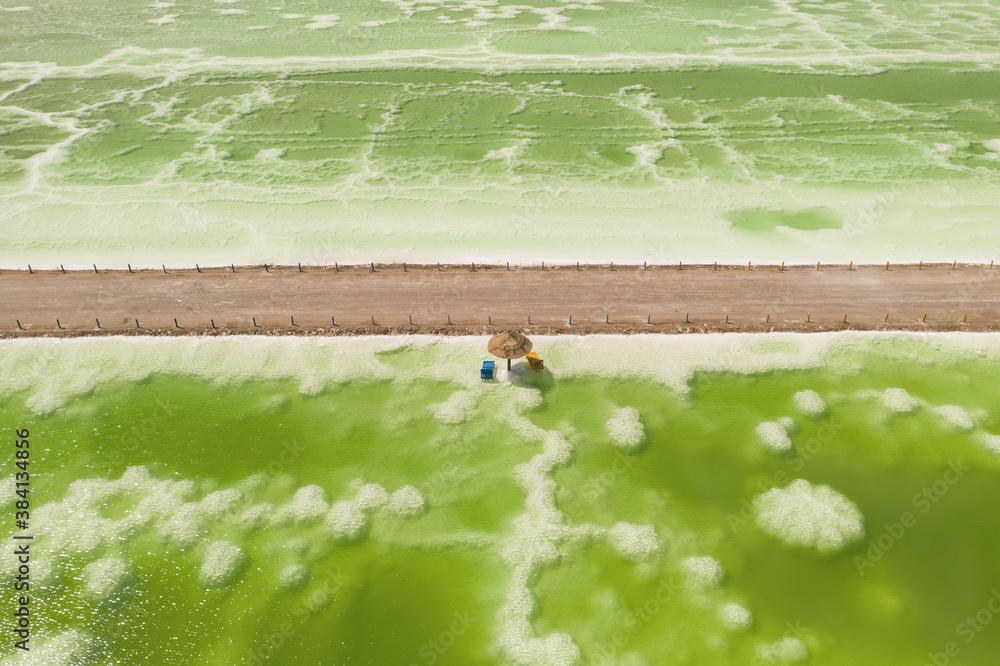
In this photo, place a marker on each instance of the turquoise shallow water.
(566, 517)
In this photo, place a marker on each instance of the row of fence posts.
(489, 320)
(645, 266)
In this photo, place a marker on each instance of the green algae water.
(825, 500)
(393, 131)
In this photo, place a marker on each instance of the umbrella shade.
(508, 345)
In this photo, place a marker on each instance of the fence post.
(198, 268)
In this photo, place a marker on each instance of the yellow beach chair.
(535, 362)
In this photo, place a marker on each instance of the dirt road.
(623, 300)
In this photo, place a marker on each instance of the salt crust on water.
(957, 417)
(103, 578)
(774, 436)
(705, 569)
(75, 528)
(810, 403)
(296, 575)
(348, 519)
(788, 650)
(223, 562)
(789, 424)
(70, 648)
(455, 408)
(735, 617)
(308, 504)
(625, 429)
(407, 501)
(55, 370)
(899, 400)
(537, 534)
(811, 516)
(992, 442)
(633, 542)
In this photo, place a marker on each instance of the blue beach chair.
(487, 371)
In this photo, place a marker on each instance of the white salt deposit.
(524, 649)
(309, 503)
(407, 501)
(371, 496)
(899, 400)
(254, 517)
(786, 651)
(774, 436)
(347, 520)
(221, 502)
(53, 371)
(805, 515)
(70, 648)
(992, 443)
(454, 410)
(735, 617)
(789, 424)
(223, 563)
(184, 527)
(810, 403)
(625, 429)
(705, 569)
(294, 576)
(634, 542)
(957, 417)
(105, 577)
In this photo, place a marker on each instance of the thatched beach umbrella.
(508, 345)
